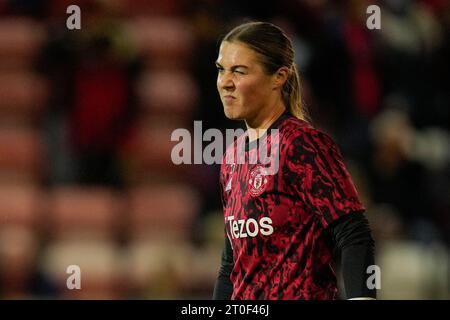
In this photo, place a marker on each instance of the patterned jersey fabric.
(276, 212)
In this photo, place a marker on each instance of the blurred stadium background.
(86, 117)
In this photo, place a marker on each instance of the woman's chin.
(231, 113)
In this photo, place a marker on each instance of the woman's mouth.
(228, 99)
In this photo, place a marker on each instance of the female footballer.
(284, 223)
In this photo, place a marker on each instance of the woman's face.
(244, 88)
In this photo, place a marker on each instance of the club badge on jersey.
(257, 181)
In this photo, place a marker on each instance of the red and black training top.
(276, 214)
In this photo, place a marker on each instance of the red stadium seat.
(18, 253)
(151, 7)
(165, 42)
(172, 94)
(20, 207)
(76, 212)
(147, 155)
(161, 211)
(21, 155)
(22, 97)
(20, 42)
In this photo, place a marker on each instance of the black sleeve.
(223, 288)
(353, 238)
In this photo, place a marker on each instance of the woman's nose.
(226, 81)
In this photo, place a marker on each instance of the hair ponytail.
(292, 97)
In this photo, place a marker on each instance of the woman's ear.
(280, 77)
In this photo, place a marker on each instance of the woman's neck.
(255, 132)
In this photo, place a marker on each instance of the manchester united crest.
(257, 181)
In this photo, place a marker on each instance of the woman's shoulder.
(295, 129)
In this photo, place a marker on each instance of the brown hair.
(275, 51)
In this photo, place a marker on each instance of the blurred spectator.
(399, 180)
(94, 105)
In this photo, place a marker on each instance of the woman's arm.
(352, 236)
(223, 288)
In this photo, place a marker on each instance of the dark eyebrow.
(233, 67)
